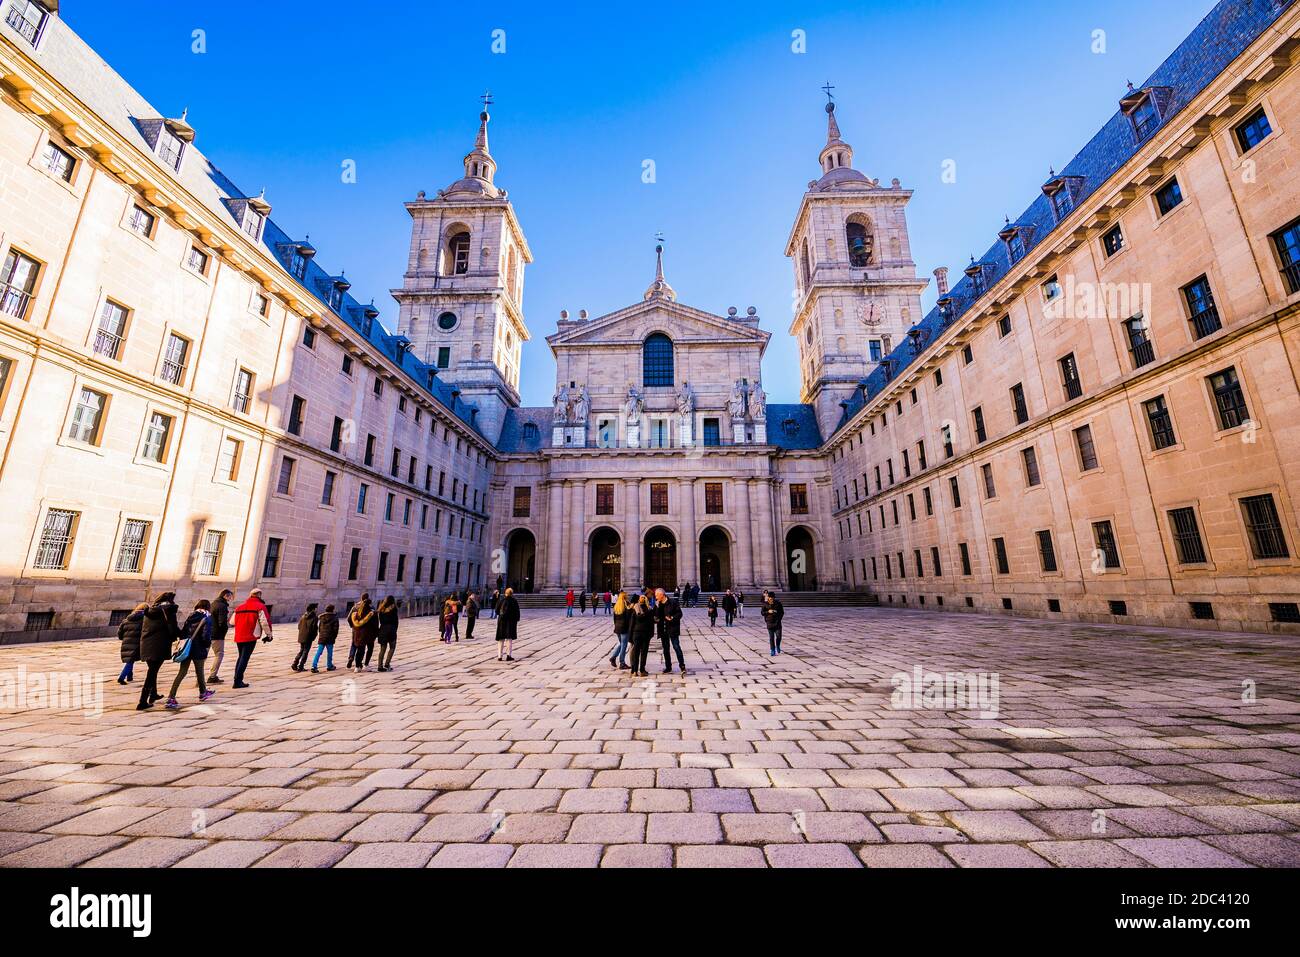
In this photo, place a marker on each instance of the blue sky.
(713, 93)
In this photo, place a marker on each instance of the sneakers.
(316, 671)
(144, 706)
(613, 661)
(206, 695)
(331, 668)
(242, 685)
(214, 680)
(172, 704)
(622, 667)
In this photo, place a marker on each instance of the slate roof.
(1217, 40)
(512, 430)
(793, 427)
(71, 61)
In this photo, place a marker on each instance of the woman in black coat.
(713, 611)
(643, 628)
(197, 630)
(306, 637)
(128, 633)
(387, 632)
(507, 625)
(158, 633)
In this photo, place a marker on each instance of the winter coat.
(643, 624)
(198, 629)
(728, 603)
(508, 619)
(307, 626)
(471, 609)
(252, 621)
(568, 598)
(773, 613)
(365, 624)
(158, 632)
(327, 628)
(623, 620)
(128, 633)
(220, 619)
(713, 607)
(387, 624)
(668, 618)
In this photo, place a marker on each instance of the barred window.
(713, 498)
(657, 360)
(1046, 550)
(173, 368)
(1104, 537)
(658, 498)
(1000, 554)
(1162, 426)
(604, 499)
(1229, 400)
(1187, 536)
(799, 498)
(1032, 475)
(1264, 527)
(1201, 309)
(1087, 449)
(57, 535)
(284, 483)
(17, 283)
(523, 501)
(214, 543)
(111, 330)
(130, 552)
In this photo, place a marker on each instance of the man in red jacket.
(252, 621)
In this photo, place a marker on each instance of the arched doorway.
(660, 558)
(606, 561)
(800, 559)
(715, 559)
(521, 560)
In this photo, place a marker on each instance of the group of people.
(733, 607)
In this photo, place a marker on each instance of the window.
(1015, 247)
(111, 330)
(938, 378)
(140, 222)
(369, 458)
(458, 250)
(1046, 550)
(57, 534)
(336, 435)
(308, 337)
(362, 493)
(1286, 611)
(1145, 118)
(378, 388)
(253, 223)
(130, 550)
(657, 360)
(28, 18)
(395, 466)
(712, 433)
(317, 563)
(1051, 289)
(604, 499)
(58, 162)
(174, 355)
(243, 391)
(87, 417)
(1070, 377)
(228, 462)
(859, 241)
(1203, 610)
(1201, 310)
(1139, 341)
(1004, 327)
(1103, 535)
(1187, 536)
(197, 261)
(1287, 243)
(955, 490)
(1112, 241)
(1018, 404)
(1000, 556)
(977, 414)
(284, 483)
(967, 355)
(658, 437)
(271, 564)
(1264, 527)
(798, 498)
(297, 408)
(401, 567)
(990, 490)
(354, 564)
(713, 498)
(1087, 449)
(964, 550)
(658, 498)
(1032, 476)
(1229, 400)
(327, 490)
(17, 283)
(929, 502)
(171, 148)
(1162, 426)
(1169, 197)
(346, 367)
(444, 357)
(214, 544)
(1253, 130)
(523, 501)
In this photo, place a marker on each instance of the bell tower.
(461, 301)
(856, 288)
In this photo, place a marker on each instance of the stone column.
(742, 560)
(553, 558)
(772, 522)
(632, 534)
(575, 520)
(760, 534)
(688, 547)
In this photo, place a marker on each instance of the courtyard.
(1089, 745)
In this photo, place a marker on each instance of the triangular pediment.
(680, 322)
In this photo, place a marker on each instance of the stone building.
(1098, 421)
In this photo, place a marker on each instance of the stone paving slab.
(1105, 747)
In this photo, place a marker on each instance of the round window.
(447, 320)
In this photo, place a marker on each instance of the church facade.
(1095, 422)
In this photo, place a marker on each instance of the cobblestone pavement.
(1109, 747)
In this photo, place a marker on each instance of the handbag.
(183, 655)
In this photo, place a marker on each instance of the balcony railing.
(14, 301)
(1291, 275)
(1206, 322)
(173, 372)
(107, 343)
(1143, 353)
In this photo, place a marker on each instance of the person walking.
(327, 632)
(307, 626)
(220, 625)
(471, 614)
(740, 603)
(622, 632)
(582, 601)
(568, 602)
(387, 613)
(641, 630)
(196, 633)
(773, 612)
(364, 627)
(508, 625)
(158, 631)
(252, 622)
(668, 622)
(449, 615)
(729, 608)
(609, 603)
(713, 611)
(494, 601)
(128, 633)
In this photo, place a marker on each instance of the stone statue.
(634, 405)
(758, 403)
(582, 407)
(686, 399)
(563, 403)
(736, 405)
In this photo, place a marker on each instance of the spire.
(659, 289)
(836, 156)
(480, 167)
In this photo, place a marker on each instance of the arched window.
(457, 263)
(858, 233)
(657, 360)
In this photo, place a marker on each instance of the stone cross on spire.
(659, 289)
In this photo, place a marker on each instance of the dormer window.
(28, 17)
(975, 273)
(336, 298)
(253, 223)
(171, 148)
(297, 265)
(531, 433)
(1145, 119)
(1014, 237)
(1061, 204)
(1145, 109)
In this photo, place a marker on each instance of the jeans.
(329, 656)
(640, 653)
(149, 690)
(569, 613)
(677, 647)
(356, 655)
(731, 618)
(218, 656)
(126, 671)
(774, 639)
(180, 675)
(245, 650)
(620, 648)
(713, 619)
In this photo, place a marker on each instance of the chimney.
(941, 280)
